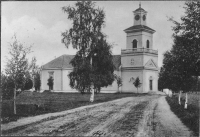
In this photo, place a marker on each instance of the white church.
(139, 59)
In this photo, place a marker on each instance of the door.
(151, 84)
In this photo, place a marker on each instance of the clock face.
(137, 17)
(144, 17)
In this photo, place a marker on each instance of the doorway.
(151, 84)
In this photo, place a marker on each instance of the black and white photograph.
(100, 68)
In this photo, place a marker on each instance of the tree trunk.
(33, 88)
(179, 98)
(186, 100)
(92, 96)
(197, 77)
(14, 101)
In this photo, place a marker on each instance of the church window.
(132, 61)
(147, 43)
(134, 43)
(51, 74)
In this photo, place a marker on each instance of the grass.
(189, 116)
(33, 103)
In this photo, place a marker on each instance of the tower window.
(134, 43)
(147, 43)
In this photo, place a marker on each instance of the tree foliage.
(87, 25)
(34, 71)
(7, 86)
(119, 81)
(137, 83)
(17, 71)
(29, 81)
(93, 61)
(37, 81)
(182, 62)
(17, 64)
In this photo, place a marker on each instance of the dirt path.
(160, 121)
(132, 116)
(168, 123)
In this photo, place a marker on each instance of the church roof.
(139, 27)
(59, 62)
(64, 62)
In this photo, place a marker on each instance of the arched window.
(147, 43)
(134, 43)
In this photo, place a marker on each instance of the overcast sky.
(40, 23)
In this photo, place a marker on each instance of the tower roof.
(139, 28)
(140, 9)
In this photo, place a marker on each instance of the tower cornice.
(137, 28)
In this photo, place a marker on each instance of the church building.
(139, 59)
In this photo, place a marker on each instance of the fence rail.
(139, 50)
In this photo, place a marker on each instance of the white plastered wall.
(127, 76)
(61, 81)
(126, 61)
(141, 38)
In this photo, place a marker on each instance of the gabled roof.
(151, 64)
(140, 28)
(60, 62)
(63, 62)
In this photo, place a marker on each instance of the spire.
(140, 5)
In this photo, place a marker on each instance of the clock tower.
(139, 59)
(139, 16)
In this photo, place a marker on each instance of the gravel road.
(148, 115)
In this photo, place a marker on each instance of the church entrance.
(151, 84)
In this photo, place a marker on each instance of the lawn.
(33, 103)
(190, 116)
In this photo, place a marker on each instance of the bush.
(28, 84)
(7, 108)
(23, 110)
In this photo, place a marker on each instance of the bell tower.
(139, 59)
(139, 16)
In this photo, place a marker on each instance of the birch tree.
(17, 66)
(86, 36)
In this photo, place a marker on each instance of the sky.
(40, 24)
